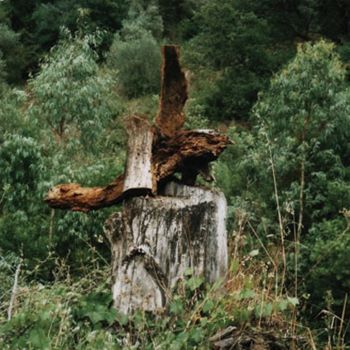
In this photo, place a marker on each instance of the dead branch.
(173, 93)
(169, 156)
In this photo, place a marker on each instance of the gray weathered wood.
(155, 240)
(138, 171)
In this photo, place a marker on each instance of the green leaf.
(38, 339)
(246, 294)
(194, 282)
(208, 305)
(293, 301)
(176, 307)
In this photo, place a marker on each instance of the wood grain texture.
(138, 171)
(155, 240)
(173, 93)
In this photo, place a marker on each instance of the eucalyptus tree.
(70, 94)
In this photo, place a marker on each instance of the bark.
(155, 240)
(138, 172)
(76, 198)
(185, 150)
(173, 93)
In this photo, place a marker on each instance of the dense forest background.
(273, 74)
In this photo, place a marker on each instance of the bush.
(290, 177)
(13, 54)
(137, 64)
(21, 169)
(70, 94)
(327, 267)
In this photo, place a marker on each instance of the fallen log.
(170, 155)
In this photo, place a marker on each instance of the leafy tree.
(135, 53)
(143, 17)
(12, 119)
(292, 175)
(175, 13)
(305, 112)
(137, 63)
(21, 169)
(95, 15)
(288, 20)
(49, 18)
(235, 43)
(70, 94)
(12, 53)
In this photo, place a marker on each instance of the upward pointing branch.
(173, 93)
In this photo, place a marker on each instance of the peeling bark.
(155, 240)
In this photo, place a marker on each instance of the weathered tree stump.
(164, 227)
(154, 240)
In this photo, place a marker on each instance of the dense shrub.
(291, 175)
(70, 94)
(137, 63)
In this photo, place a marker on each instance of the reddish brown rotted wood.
(171, 155)
(76, 198)
(173, 93)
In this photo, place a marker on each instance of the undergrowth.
(77, 313)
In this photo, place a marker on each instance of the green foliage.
(21, 169)
(11, 118)
(50, 17)
(135, 53)
(137, 63)
(70, 94)
(62, 316)
(2, 74)
(142, 17)
(236, 43)
(305, 115)
(328, 261)
(77, 314)
(178, 17)
(299, 153)
(292, 146)
(12, 52)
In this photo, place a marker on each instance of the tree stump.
(154, 240)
